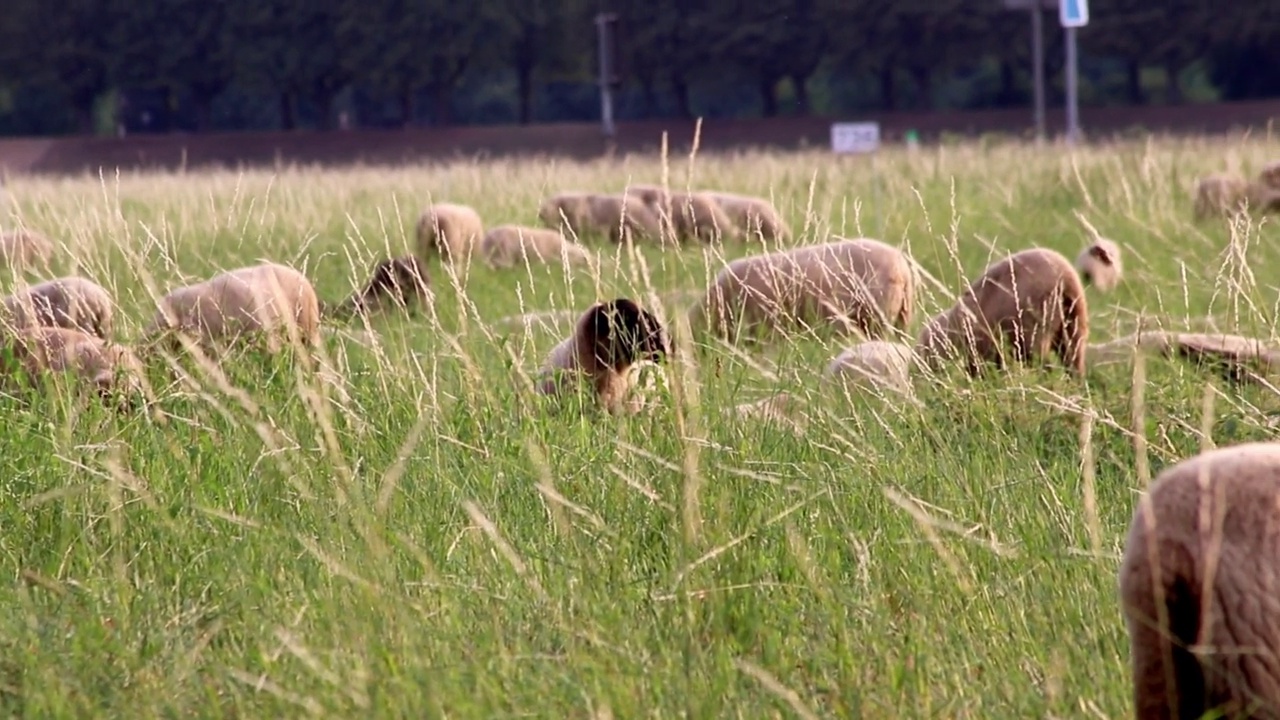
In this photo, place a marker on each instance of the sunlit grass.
(411, 532)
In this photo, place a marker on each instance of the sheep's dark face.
(624, 333)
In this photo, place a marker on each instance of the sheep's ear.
(1100, 252)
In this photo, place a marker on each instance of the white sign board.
(1073, 13)
(862, 137)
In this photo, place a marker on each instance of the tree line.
(194, 65)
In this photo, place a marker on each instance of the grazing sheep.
(259, 300)
(782, 408)
(450, 230)
(1199, 587)
(1263, 198)
(1236, 357)
(607, 341)
(616, 216)
(850, 284)
(1219, 194)
(510, 245)
(1032, 299)
(35, 350)
(402, 281)
(69, 302)
(22, 248)
(692, 216)
(1270, 175)
(651, 195)
(1100, 265)
(754, 217)
(876, 365)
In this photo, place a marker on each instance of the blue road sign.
(1073, 13)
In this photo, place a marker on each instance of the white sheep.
(449, 230)
(507, 246)
(875, 365)
(1100, 264)
(21, 249)
(70, 302)
(111, 369)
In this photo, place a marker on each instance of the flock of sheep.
(1227, 193)
(1189, 580)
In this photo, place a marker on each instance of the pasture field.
(412, 533)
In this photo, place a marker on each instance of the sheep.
(260, 300)
(755, 217)
(692, 216)
(782, 408)
(400, 280)
(22, 248)
(1198, 585)
(1263, 198)
(851, 285)
(876, 365)
(70, 302)
(1100, 265)
(510, 245)
(1033, 299)
(1219, 194)
(1237, 358)
(607, 341)
(618, 217)
(1269, 176)
(449, 230)
(35, 350)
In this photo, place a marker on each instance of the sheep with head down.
(1100, 265)
(112, 369)
(507, 246)
(1220, 194)
(449, 230)
(1199, 587)
(269, 302)
(71, 302)
(608, 341)
(1269, 176)
(1237, 358)
(875, 365)
(689, 216)
(756, 218)
(617, 217)
(400, 281)
(20, 249)
(1032, 300)
(848, 285)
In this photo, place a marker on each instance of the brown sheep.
(1100, 265)
(402, 281)
(607, 341)
(1236, 357)
(507, 246)
(691, 216)
(449, 230)
(260, 300)
(70, 302)
(617, 217)
(1200, 589)
(1269, 176)
(35, 350)
(23, 248)
(1032, 299)
(876, 365)
(755, 218)
(1263, 198)
(850, 285)
(1219, 194)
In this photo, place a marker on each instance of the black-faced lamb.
(401, 282)
(1100, 264)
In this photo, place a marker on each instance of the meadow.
(412, 533)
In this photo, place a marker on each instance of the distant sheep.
(1219, 194)
(607, 341)
(110, 368)
(1269, 176)
(851, 285)
(1100, 265)
(23, 248)
(691, 216)
(875, 365)
(1032, 300)
(755, 217)
(508, 246)
(1236, 357)
(613, 216)
(782, 408)
(260, 301)
(450, 231)
(402, 281)
(1263, 199)
(1199, 586)
(70, 302)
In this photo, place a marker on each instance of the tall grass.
(405, 530)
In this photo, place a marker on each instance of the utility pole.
(1073, 14)
(606, 25)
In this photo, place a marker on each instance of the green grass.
(415, 535)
